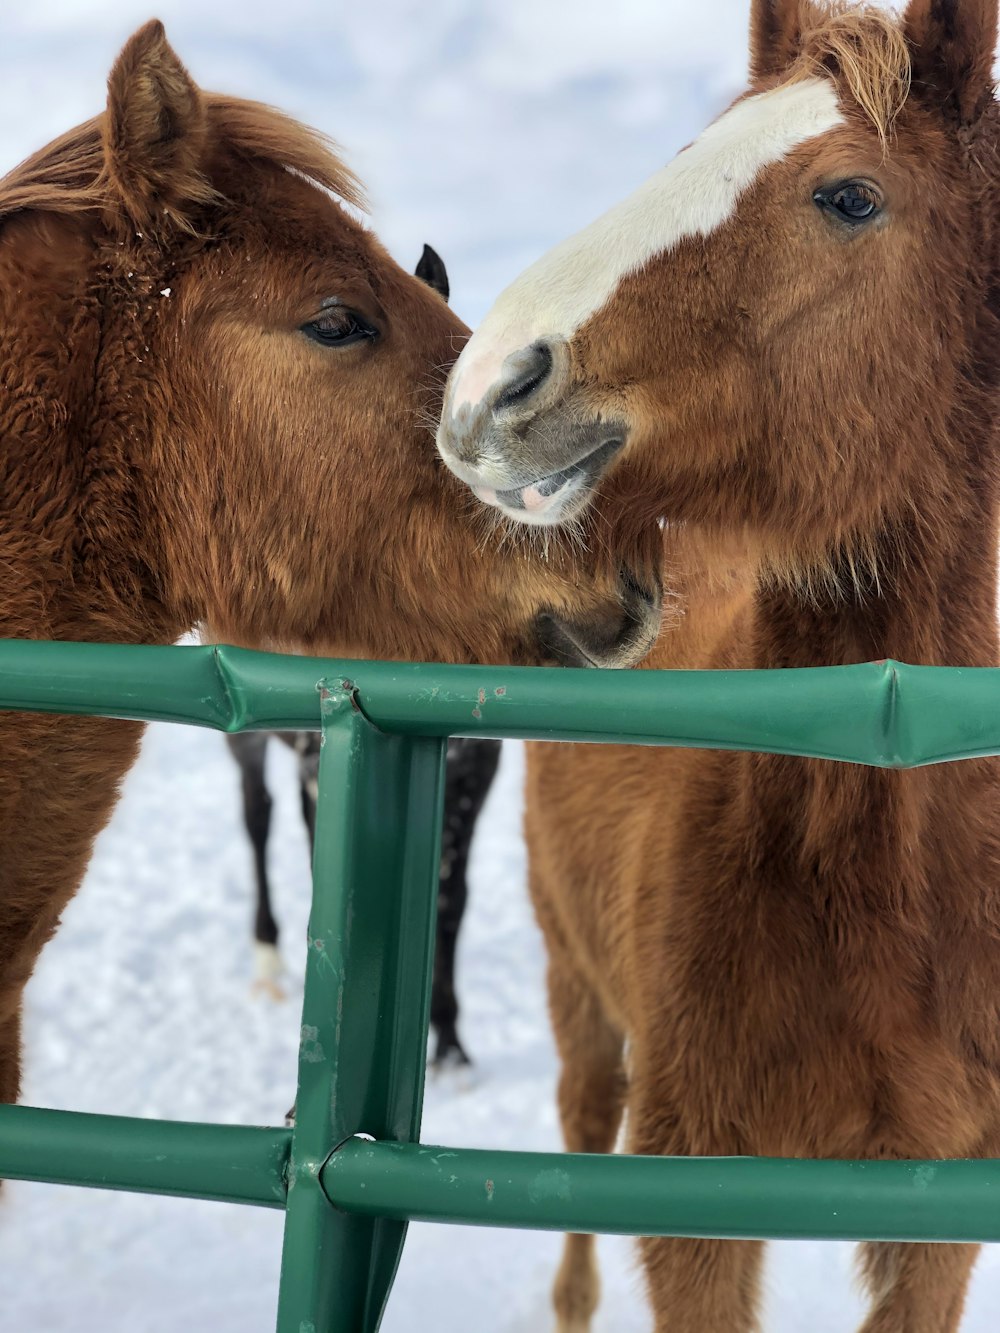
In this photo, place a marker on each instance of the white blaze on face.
(693, 196)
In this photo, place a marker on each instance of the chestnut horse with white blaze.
(786, 345)
(214, 384)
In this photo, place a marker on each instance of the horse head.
(218, 404)
(786, 330)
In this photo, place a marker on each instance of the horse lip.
(586, 470)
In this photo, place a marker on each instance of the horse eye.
(339, 328)
(853, 202)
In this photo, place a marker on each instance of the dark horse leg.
(472, 765)
(306, 745)
(248, 749)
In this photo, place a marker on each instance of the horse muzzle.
(528, 446)
(614, 635)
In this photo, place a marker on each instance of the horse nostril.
(524, 372)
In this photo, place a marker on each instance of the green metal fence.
(352, 1173)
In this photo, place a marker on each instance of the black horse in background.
(471, 767)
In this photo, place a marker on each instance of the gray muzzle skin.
(530, 447)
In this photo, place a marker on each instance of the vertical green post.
(366, 1005)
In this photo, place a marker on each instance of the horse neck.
(927, 834)
(928, 597)
(708, 582)
(80, 554)
(77, 553)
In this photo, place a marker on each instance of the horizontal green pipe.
(886, 714)
(229, 1163)
(727, 1197)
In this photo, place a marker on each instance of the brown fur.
(174, 450)
(803, 957)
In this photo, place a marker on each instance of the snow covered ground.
(490, 128)
(142, 1006)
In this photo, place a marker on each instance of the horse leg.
(249, 751)
(694, 1285)
(915, 1288)
(591, 1096)
(700, 1285)
(10, 1052)
(24, 936)
(452, 895)
(308, 810)
(257, 809)
(472, 765)
(306, 745)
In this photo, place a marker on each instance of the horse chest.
(773, 1041)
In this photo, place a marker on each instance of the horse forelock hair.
(866, 47)
(67, 176)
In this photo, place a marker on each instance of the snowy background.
(490, 128)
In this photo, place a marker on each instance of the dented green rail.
(886, 714)
(351, 1173)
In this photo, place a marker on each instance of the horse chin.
(614, 636)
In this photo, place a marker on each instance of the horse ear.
(154, 131)
(775, 36)
(951, 48)
(430, 269)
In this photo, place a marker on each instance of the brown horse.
(787, 345)
(215, 385)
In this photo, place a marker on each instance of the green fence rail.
(352, 1173)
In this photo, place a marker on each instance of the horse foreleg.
(915, 1288)
(23, 935)
(308, 793)
(471, 767)
(257, 809)
(700, 1285)
(591, 1098)
(444, 1002)
(694, 1286)
(10, 1050)
(249, 751)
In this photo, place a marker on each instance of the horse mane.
(68, 175)
(866, 46)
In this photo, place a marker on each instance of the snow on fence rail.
(351, 1172)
